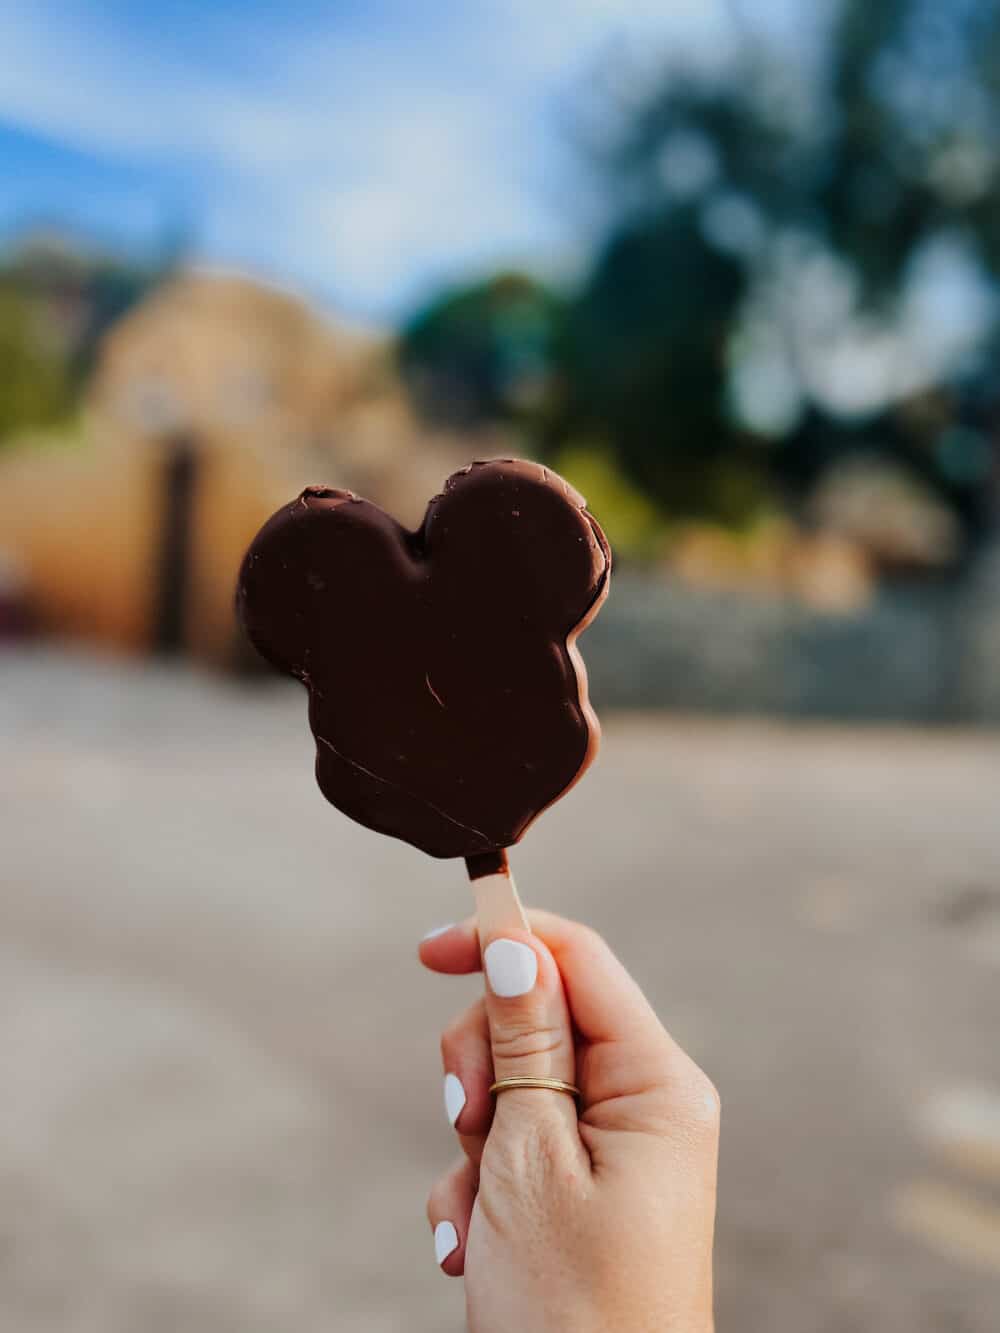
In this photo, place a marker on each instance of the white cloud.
(364, 157)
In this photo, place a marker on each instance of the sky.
(362, 151)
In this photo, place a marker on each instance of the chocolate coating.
(446, 695)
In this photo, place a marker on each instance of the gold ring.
(551, 1084)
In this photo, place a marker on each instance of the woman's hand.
(563, 1224)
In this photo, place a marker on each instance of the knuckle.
(702, 1104)
(524, 1040)
(713, 1101)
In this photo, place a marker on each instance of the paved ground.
(220, 1105)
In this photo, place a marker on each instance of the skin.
(566, 1222)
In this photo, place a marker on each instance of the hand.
(563, 1224)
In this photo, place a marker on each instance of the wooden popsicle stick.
(498, 907)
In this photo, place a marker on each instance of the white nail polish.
(454, 1097)
(438, 930)
(445, 1241)
(512, 968)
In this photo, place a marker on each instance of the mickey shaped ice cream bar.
(446, 693)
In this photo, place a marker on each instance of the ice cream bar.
(446, 693)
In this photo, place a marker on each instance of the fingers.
(453, 950)
(605, 1001)
(449, 1211)
(632, 1074)
(625, 1051)
(530, 1032)
(529, 1023)
(468, 1073)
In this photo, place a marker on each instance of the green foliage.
(891, 150)
(77, 295)
(726, 196)
(643, 361)
(908, 148)
(55, 304)
(483, 352)
(632, 523)
(35, 384)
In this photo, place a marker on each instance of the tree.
(759, 222)
(643, 359)
(56, 302)
(35, 384)
(483, 352)
(731, 193)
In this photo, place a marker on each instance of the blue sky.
(360, 151)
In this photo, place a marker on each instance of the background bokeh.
(733, 270)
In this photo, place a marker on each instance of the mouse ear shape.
(548, 573)
(274, 582)
(446, 695)
(293, 575)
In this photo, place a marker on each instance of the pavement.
(220, 1100)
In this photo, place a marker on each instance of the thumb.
(530, 1030)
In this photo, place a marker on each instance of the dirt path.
(221, 1098)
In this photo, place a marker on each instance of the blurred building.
(225, 358)
(212, 402)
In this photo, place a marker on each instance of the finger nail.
(445, 1241)
(454, 1097)
(512, 968)
(438, 930)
